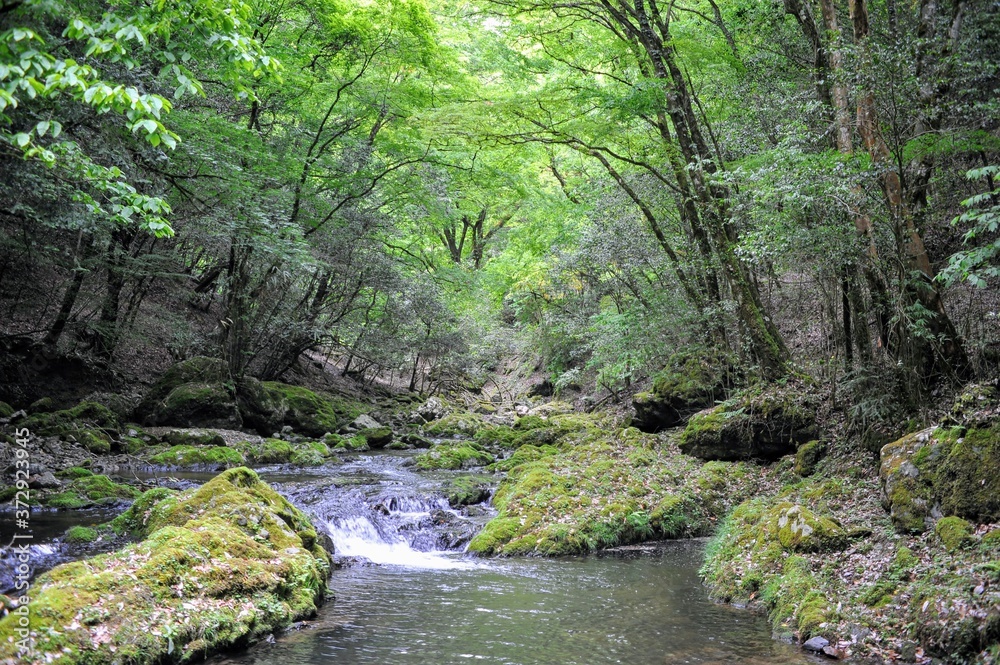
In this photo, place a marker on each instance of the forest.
(660, 270)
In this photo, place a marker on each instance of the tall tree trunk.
(107, 331)
(69, 297)
(942, 353)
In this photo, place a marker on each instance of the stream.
(406, 593)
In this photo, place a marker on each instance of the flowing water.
(407, 594)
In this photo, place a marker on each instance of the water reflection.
(576, 611)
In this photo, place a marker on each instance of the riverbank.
(857, 564)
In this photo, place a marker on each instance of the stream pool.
(570, 611)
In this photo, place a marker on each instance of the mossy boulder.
(199, 369)
(80, 534)
(454, 455)
(88, 423)
(760, 552)
(760, 427)
(89, 490)
(942, 471)
(277, 451)
(6, 410)
(208, 457)
(354, 443)
(275, 405)
(688, 383)
(799, 529)
(808, 456)
(221, 566)
(455, 424)
(466, 491)
(193, 437)
(198, 405)
(976, 406)
(953, 532)
(377, 437)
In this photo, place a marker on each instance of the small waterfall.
(358, 537)
(378, 508)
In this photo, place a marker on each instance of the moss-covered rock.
(222, 565)
(198, 405)
(798, 528)
(42, 405)
(6, 410)
(955, 471)
(88, 490)
(808, 456)
(466, 491)
(213, 458)
(89, 423)
(377, 437)
(953, 532)
(192, 437)
(81, 534)
(199, 369)
(455, 424)
(593, 491)
(454, 455)
(354, 443)
(277, 451)
(762, 426)
(307, 412)
(688, 383)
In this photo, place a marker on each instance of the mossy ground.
(220, 566)
(874, 592)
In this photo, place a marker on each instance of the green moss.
(523, 455)
(43, 405)
(798, 528)
(953, 532)
(193, 437)
(222, 565)
(529, 422)
(132, 444)
(81, 534)
(879, 594)
(808, 456)
(497, 533)
(87, 490)
(310, 413)
(134, 520)
(454, 455)
(75, 472)
(352, 444)
(990, 542)
(95, 441)
(89, 422)
(181, 456)
(956, 468)
(376, 437)
(759, 548)
(273, 451)
(92, 412)
(466, 491)
(6, 410)
(455, 424)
